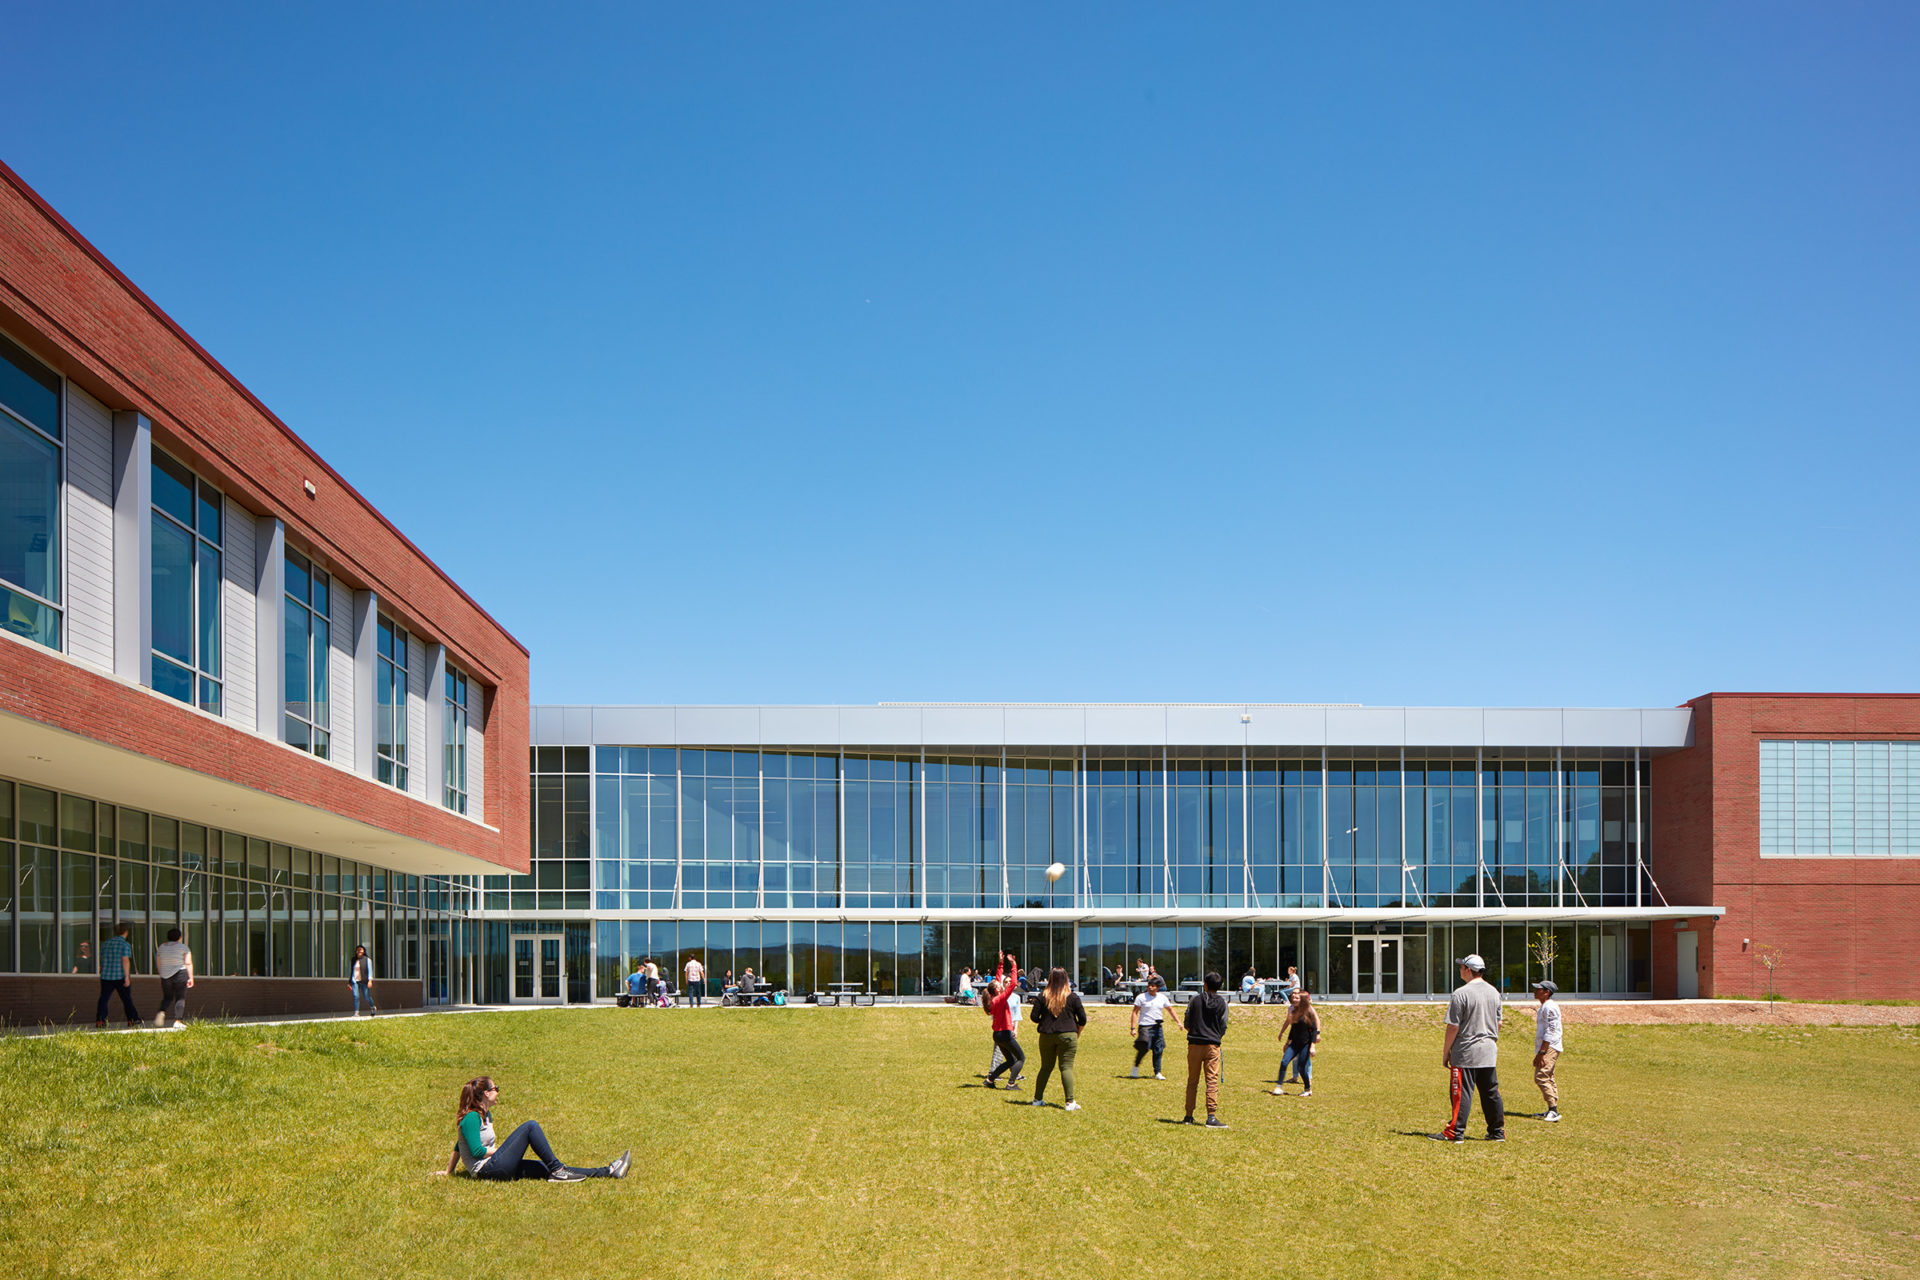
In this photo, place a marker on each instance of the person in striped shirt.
(116, 959)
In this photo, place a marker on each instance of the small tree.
(1546, 949)
(1774, 957)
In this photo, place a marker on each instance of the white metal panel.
(1046, 726)
(1206, 726)
(89, 571)
(879, 726)
(576, 725)
(340, 710)
(1523, 726)
(1125, 726)
(1601, 727)
(800, 727)
(1445, 727)
(629, 726)
(1666, 727)
(716, 726)
(1366, 726)
(547, 725)
(417, 719)
(964, 726)
(476, 751)
(238, 609)
(1287, 726)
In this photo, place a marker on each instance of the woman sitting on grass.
(1300, 1032)
(473, 1144)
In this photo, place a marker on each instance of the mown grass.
(858, 1143)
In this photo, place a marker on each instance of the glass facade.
(187, 520)
(30, 467)
(664, 850)
(454, 770)
(73, 868)
(390, 715)
(1840, 799)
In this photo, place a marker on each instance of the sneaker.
(1496, 1137)
(1012, 1085)
(1442, 1137)
(100, 1025)
(1277, 1093)
(619, 1167)
(1073, 1106)
(1136, 1073)
(1215, 1122)
(1158, 1076)
(564, 1174)
(1037, 1103)
(1307, 1093)
(1553, 1113)
(1187, 1120)
(160, 1019)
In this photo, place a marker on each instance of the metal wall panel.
(801, 726)
(880, 726)
(89, 574)
(716, 726)
(1126, 726)
(1366, 726)
(1523, 726)
(1445, 727)
(964, 726)
(1601, 727)
(1046, 726)
(1205, 727)
(629, 727)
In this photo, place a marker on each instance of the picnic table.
(851, 992)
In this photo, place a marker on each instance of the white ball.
(1055, 871)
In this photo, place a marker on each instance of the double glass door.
(1376, 967)
(539, 969)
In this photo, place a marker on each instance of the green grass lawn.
(856, 1142)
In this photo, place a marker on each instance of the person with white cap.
(1546, 1045)
(1472, 1054)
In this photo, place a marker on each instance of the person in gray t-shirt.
(1472, 1053)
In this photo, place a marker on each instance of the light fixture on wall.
(308, 486)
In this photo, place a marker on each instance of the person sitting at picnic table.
(1247, 983)
(637, 987)
(966, 986)
(748, 986)
(1142, 971)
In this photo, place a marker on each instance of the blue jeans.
(1153, 1036)
(362, 991)
(506, 1164)
(1302, 1060)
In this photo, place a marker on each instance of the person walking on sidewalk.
(1149, 1026)
(360, 978)
(1546, 1045)
(174, 963)
(1300, 1032)
(1000, 995)
(1472, 1054)
(1206, 1024)
(696, 982)
(116, 961)
(1060, 1017)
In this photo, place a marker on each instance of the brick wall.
(63, 999)
(1850, 926)
(64, 301)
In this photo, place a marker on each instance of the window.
(309, 594)
(186, 585)
(30, 439)
(456, 746)
(390, 684)
(1840, 799)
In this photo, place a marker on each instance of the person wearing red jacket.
(998, 994)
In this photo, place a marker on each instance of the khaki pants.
(1543, 1075)
(1203, 1057)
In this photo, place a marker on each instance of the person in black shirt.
(1061, 1018)
(1206, 1024)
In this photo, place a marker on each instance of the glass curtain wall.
(31, 437)
(75, 868)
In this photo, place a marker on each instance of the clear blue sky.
(1528, 354)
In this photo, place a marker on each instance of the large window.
(390, 683)
(309, 595)
(29, 497)
(456, 745)
(1840, 799)
(186, 585)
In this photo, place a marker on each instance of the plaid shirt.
(114, 954)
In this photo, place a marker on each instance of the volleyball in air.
(1057, 870)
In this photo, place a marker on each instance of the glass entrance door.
(1376, 969)
(539, 969)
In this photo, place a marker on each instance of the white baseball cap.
(1474, 962)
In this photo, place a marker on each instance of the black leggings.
(1011, 1053)
(506, 1164)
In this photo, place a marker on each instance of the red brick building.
(1818, 861)
(234, 699)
